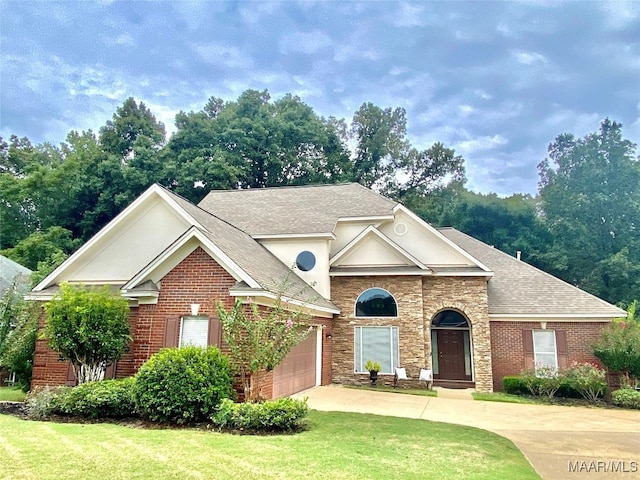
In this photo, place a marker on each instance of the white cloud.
(479, 144)
(529, 58)
(309, 43)
(222, 55)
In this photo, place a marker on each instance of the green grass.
(503, 397)
(11, 394)
(407, 391)
(336, 446)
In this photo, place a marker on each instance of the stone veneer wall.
(419, 299)
(408, 294)
(468, 295)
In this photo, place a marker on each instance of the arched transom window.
(376, 302)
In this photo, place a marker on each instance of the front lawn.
(11, 394)
(503, 397)
(337, 445)
(423, 392)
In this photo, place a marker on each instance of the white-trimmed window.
(379, 344)
(544, 349)
(194, 331)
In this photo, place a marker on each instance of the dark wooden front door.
(451, 355)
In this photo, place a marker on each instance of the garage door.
(297, 372)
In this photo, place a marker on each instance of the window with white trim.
(379, 344)
(544, 349)
(194, 331)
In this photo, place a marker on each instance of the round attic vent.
(305, 261)
(400, 228)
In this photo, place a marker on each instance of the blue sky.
(497, 81)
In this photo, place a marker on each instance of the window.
(544, 349)
(305, 261)
(379, 344)
(194, 331)
(376, 302)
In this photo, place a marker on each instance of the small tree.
(618, 347)
(259, 340)
(90, 328)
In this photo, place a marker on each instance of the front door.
(451, 355)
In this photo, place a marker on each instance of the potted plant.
(374, 368)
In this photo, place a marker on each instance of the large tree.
(590, 201)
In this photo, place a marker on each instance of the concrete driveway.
(560, 442)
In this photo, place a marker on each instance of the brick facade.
(418, 300)
(508, 344)
(197, 279)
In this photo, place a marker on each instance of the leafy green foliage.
(281, 415)
(588, 379)
(88, 327)
(103, 399)
(258, 341)
(618, 348)
(514, 385)
(626, 398)
(43, 402)
(591, 203)
(18, 329)
(183, 385)
(543, 381)
(43, 246)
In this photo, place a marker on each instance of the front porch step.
(439, 382)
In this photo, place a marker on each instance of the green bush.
(44, 402)
(543, 381)
(103, 399)
(626, 398)
(281, 415)
(514, 386)
(588, 379)
(183, 385)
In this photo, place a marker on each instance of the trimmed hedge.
(281, 415)
(183, 385)
(103, 399)
(626, 398)
(516, 385)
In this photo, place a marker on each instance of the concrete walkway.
(561, 442)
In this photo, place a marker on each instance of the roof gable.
(373, 249)
(127, 243)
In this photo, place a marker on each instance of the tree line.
(582, 225)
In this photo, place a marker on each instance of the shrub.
(43, 402)
(103, 399)
(626, 398)
(514, 386)
(281, 415)
(588, 379)
(183, 385)
(543, 381)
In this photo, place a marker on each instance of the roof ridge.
(282, 187)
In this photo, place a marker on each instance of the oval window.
(305, 261)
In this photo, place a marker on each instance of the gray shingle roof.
(295, 210)
(518, 288)
(11, 272)
(252, 257)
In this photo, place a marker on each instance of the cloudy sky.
(496, 81)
